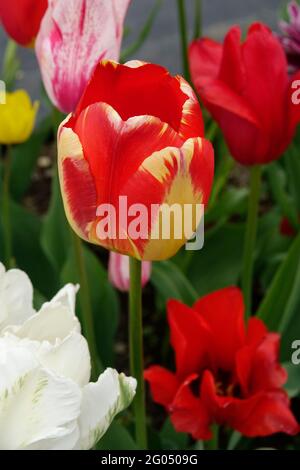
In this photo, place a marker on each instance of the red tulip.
(136, 135)
(22, 18)
(247, 89)
(225, 373)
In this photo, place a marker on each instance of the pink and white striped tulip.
(74, 36)
(118, 271)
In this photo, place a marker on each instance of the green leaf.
(277, 180)
(218, 264)
(293, 384)
(117, 438)
(24, 160)
(143, 35)
(105, 302)
(171, 283)
(232, 202)
(291, 162)
(11, 64)
(56, 231)
(277, 308)
(172, 440)
(27, 250)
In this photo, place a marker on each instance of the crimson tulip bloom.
(225, 373)
(22, 18)
(246, 88)
(135, 135)
(74, 36)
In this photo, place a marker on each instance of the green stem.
(6, 210)
(136, 350)
(198, 19)
(184, 39)
(10, 64)
(86, 308)
(250, 236)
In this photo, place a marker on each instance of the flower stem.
(198, 19)
(184, 39)
(6, 210)
(86, 307)
(136, 350)
(250, 236)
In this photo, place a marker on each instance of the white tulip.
(46, 400)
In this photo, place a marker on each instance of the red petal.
(223, 311)
(190, 338)
(266, 84)
(77, 183)
(266, 370)
(192, 124)
(232, 71)
(256, 331)
(261, 415)
(163, 384)
(136, 91)
(188, 413)
(205, 59)
(115, 148)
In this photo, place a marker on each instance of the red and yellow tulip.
(137, 133)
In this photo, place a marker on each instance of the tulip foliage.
(179, 191)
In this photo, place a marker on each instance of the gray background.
(163, 44)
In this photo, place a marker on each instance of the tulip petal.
(188, 413)
(266, 86)
(16, 294)
(74, 36)
(101, 402)
(205, 59)
(192, 124)
(54, 321)
(163, 384)
(223, 311)
(265, 372)
(123, 88)
(190, 338)
(49, 406)
(262, 414)
(77, 184)
(173, 178)
(17, 117)
(69, 358)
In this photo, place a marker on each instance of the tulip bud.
(118, 271)
(17, 118)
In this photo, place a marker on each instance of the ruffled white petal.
(16, 295)
(101, 402)
(38, 410)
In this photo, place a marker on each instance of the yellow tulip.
(17, 117)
